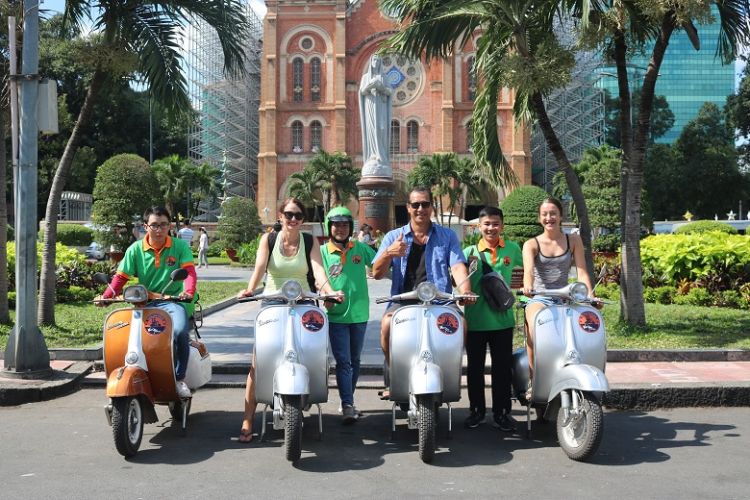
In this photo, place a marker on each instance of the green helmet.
(340, 214)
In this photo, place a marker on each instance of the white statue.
(731, 215)
(375, 116)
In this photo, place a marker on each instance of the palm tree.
(337, 177)
(623, 24)
(516, 48)
(173, 175)
(304, 185)
(202, 184)
(147, 32)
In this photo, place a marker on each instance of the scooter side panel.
(156, 336)
(129, 381)
(448, 344)
(549, 348)
(269, 344)
(590, 335)
(404, 344)
(115, 339)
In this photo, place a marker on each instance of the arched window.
(469, 137)
(298, 79)
(297, 137)
(395, 137)
(471, 81)
(412, 137)
(316, 136)
(315, 79)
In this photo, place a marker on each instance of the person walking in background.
(490, 327)
(348, 320)
(186, 233)
(203, 249)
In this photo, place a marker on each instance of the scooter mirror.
(179, 274)
(334, 270)
(602, 273)
(101, 278)
(473, 266)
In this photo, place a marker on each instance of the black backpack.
(308, 248)
(495, 290)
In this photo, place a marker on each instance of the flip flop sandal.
(385, 394)
(246, 436)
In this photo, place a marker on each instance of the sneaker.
(348, 415)
(182, 390)
(357, 413)
(474, 420)
(504, 422)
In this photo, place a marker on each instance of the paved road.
(63, 449)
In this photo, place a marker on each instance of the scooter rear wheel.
(580, 436)
(426, 424)
(293, 427)
(127, 425)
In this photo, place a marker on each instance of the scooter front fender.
(291, 379)
(129, 381)
(581, 377)
(425, 378)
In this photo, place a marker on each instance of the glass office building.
(687, 78)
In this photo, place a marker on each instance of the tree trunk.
(574, 185)
(4, 312)
(46, 310)
(632, 309)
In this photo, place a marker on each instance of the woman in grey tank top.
(547, 260)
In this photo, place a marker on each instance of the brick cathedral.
(314, 54)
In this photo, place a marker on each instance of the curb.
(17, 391)
(677, 396)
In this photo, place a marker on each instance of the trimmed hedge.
(521, 213)
(705, 226)
(72, 235)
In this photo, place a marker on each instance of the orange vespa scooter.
(139, 363)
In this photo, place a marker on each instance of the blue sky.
(59, 5)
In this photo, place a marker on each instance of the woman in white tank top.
(547, 260)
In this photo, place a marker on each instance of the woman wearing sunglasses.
(286, 261)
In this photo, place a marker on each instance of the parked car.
(95, 251)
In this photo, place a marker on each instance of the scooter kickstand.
(393, 421)
(320, 422)
(450, 421)
(528, 420)
(263, 425)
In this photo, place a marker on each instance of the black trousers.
(501, 354)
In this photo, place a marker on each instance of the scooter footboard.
(580, 377)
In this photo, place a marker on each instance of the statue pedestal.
(376, 203)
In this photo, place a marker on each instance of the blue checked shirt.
(441, 253)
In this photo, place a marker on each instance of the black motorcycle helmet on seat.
(339, 214)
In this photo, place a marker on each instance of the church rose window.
(405, 78)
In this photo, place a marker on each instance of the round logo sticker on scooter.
(313, 321)
(589, 322)
(155, 324)
(447, 323)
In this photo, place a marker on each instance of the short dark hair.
(491, 212)
(186, 222)
(420, 189)
(157, 211)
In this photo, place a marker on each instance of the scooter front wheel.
(426, 424)
(127, 425)
(293, 427)
(580, 432)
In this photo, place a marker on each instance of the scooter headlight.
(131, 358)
(291, 290)
(578, 291)
(291, 356)
(135, 294)
(426, 291)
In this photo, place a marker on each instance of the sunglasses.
(420, 204)
(294, 215)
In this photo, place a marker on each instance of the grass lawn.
(80, 324)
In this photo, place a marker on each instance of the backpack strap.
(308, 250)
(271, 242)
(486, 268)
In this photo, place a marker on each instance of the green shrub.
(715, 260)
(248, 251)
(606, 243)
(10, 233)
(695, 297)
(74, 294)
(729, 298)
(72, 235)
(471, 239)
(64, 256)
(659, 295)
(214, 249)
(705, 226)
(521, 213)
(608, 291)
(239, 222)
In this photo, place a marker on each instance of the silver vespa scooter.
(570, 354)
(291, 360)
(426, 352)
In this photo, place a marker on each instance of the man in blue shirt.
(419, 251)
